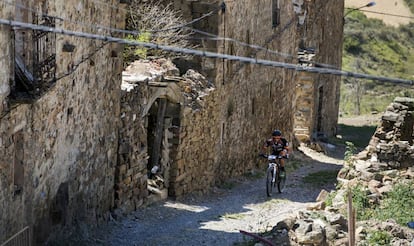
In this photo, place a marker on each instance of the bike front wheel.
(269, 182)
(281, 183)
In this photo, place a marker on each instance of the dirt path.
(389, 7)
(216, 219)
(362, 120)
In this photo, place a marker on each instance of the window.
(275, 13)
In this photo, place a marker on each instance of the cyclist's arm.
(265, 147)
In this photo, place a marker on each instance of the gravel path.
(216, 218)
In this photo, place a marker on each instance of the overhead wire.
(136, 33)
(203, 53)
(383, 13)
(216, 37)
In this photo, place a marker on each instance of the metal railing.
(22, 238)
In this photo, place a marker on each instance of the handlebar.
(278, 157)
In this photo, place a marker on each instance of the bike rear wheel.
(269, 183)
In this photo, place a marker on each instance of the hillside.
(372, 47)
(394, 7)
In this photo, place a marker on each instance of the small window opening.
(275, 13)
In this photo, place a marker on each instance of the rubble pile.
(195, 87)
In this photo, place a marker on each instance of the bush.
(379, 238)
(397, 204)
(156, 23)
(361, 203)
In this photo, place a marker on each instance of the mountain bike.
(273, 175)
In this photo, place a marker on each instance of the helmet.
(277, 133)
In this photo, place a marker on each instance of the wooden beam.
(159, 127)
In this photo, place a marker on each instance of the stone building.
(76, 143)
(320, 45)
(251, 100)
(60, 102)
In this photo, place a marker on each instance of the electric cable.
(382, 13)
(204, 53)
(136, 33)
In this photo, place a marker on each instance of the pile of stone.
(392, 142)
(387, 161)
(195, 87)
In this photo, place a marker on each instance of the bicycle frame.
(273, 178)
(274, 163)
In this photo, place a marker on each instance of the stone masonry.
(317, 95)
(58, 153)
(86, 147)
(261, 98)
(392, 142)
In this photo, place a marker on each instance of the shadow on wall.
(57, 215)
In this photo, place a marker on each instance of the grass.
(321, 178)
(374, 48)
(254, 174)
(292, 165)
(238, 216)
(379, 238)
(358, 135)
(397, 204)
(270, 203)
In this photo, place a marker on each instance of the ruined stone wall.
(320, 30)
(392, 142)
(144, 82)
(59, 153)
(131, 170)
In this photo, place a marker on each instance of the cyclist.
(279, 145)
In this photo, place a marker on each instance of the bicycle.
(273, 177)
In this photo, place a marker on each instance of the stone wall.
(144, 84)
(320, 35)
(392, 142)
(86, 147)
(58, 153)
(6, 71)
(222, 139)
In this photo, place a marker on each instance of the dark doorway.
(163, 138)
(320, 108)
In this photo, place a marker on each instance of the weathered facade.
(251, 100)
(320, 45)
(58, 137)
(83, 145)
